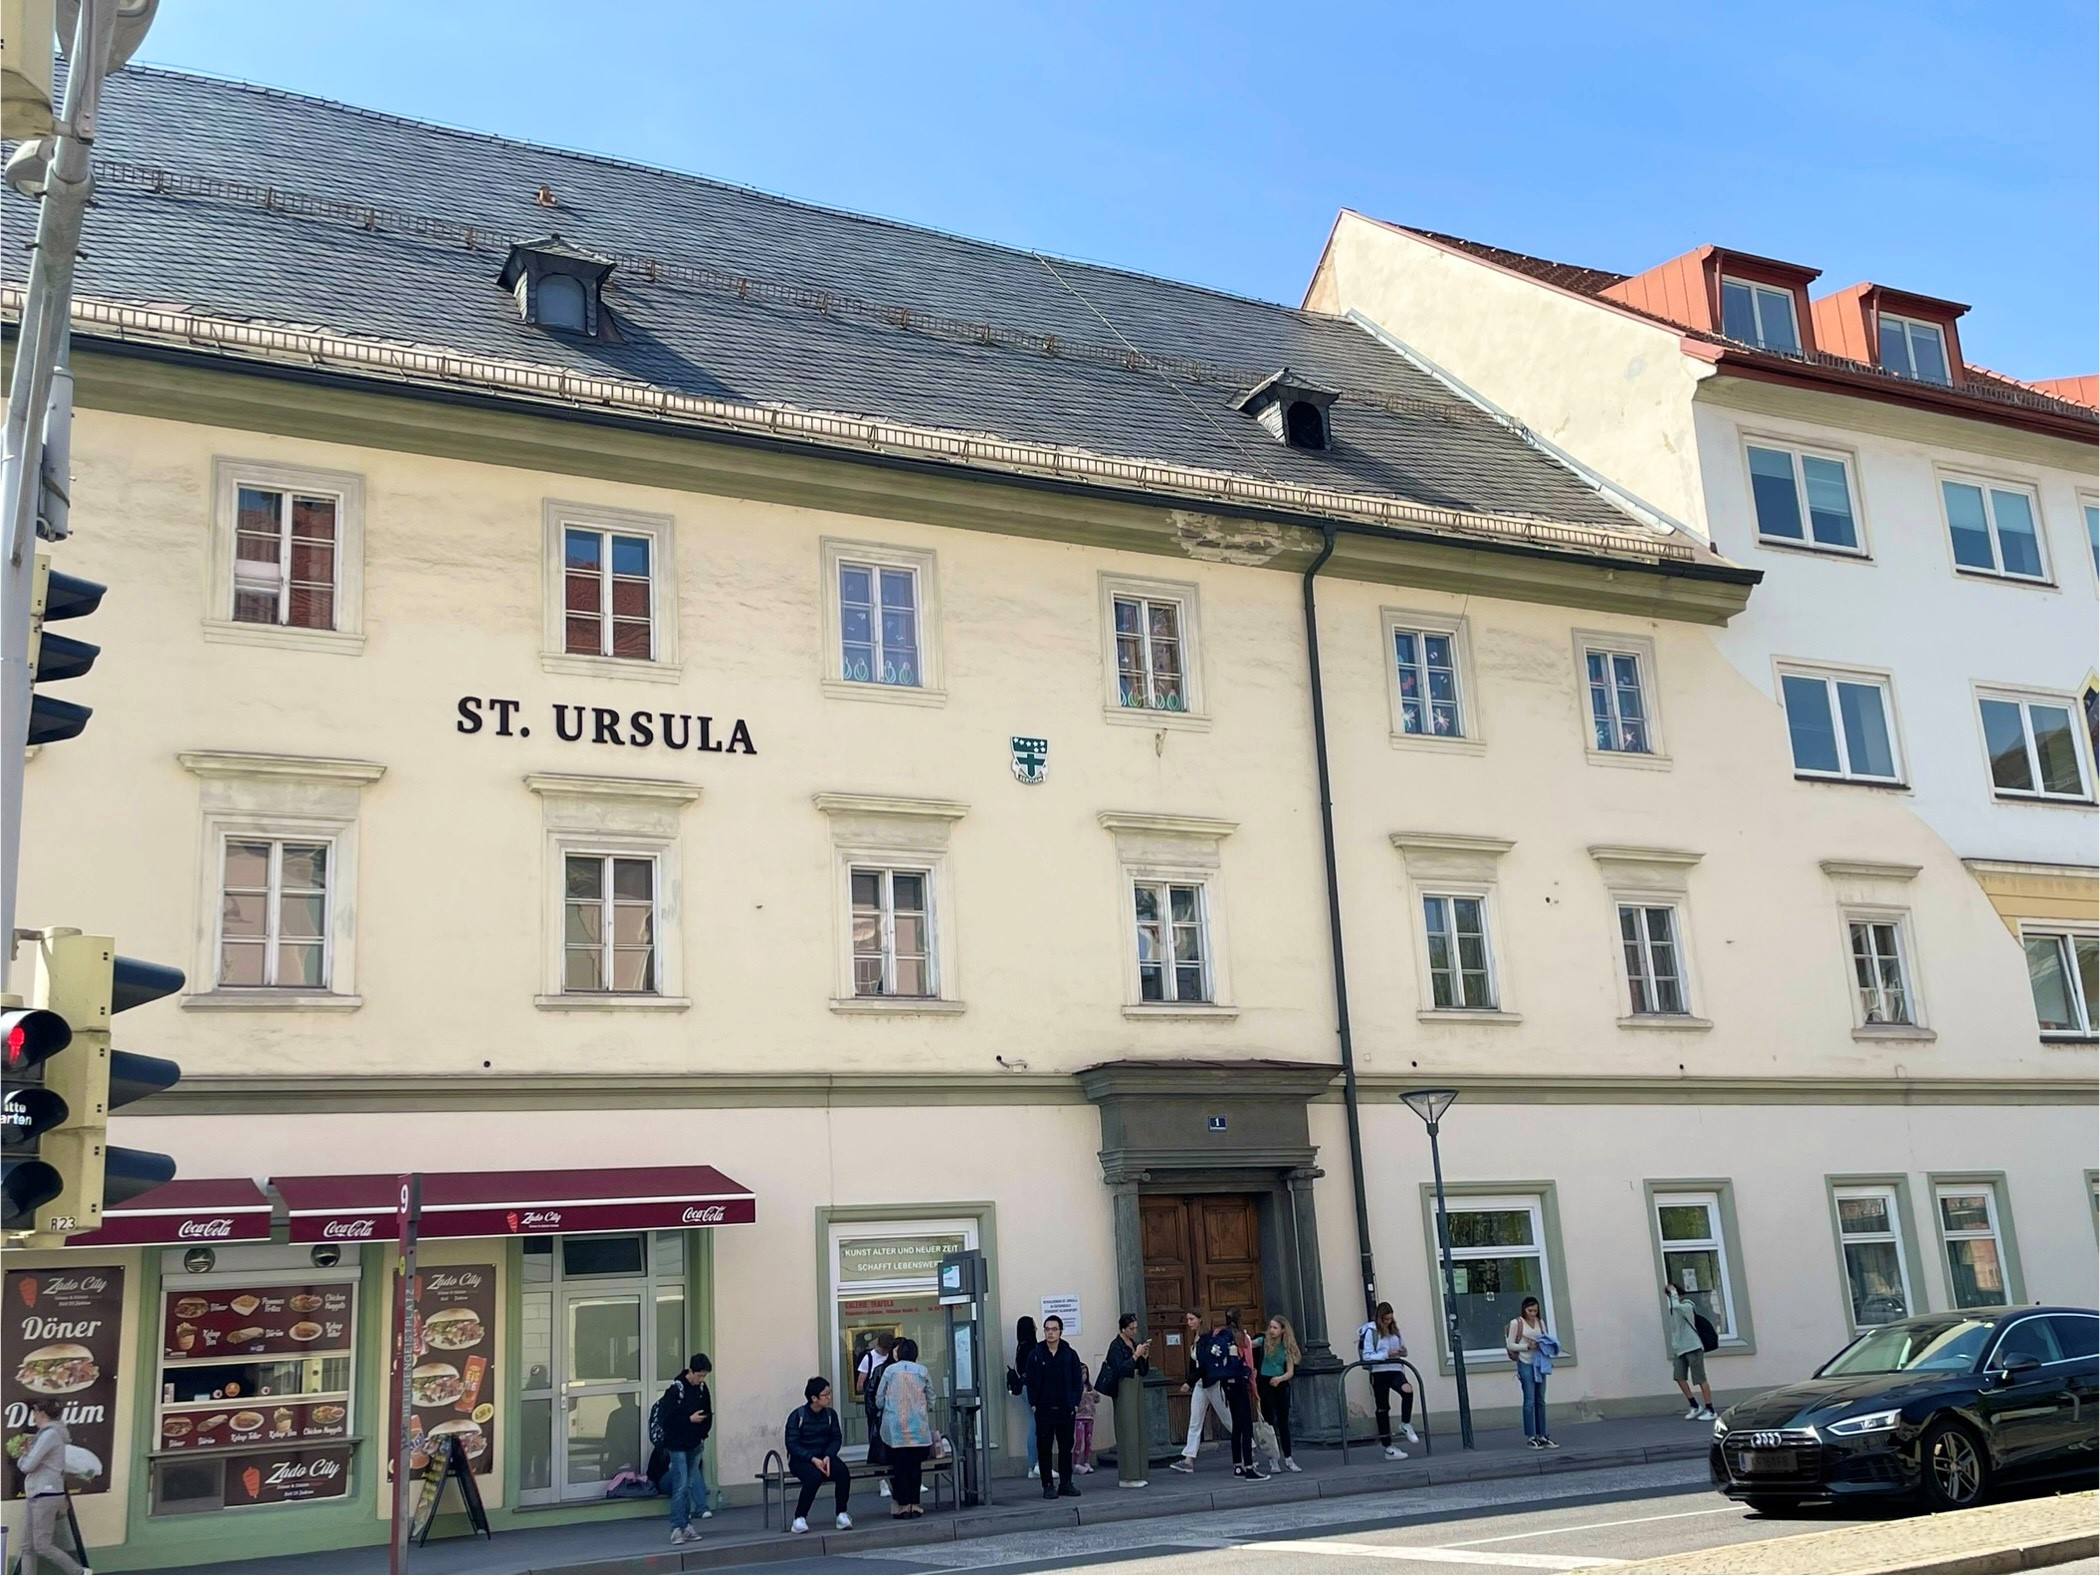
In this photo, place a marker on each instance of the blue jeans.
(1533, 1384)
(686, 1483)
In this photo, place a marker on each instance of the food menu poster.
(62, 1329)
(216, 1323)
(452, 1387)
(275, 1477)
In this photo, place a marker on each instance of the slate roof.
(255, 204)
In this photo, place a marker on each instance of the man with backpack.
(681, 1420)
(1691, 1338)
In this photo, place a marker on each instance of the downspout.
(1334, 925)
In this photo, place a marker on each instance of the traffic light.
(29, 1037)
(52, 597)
(81, 982)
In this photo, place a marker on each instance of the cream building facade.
(559, 736)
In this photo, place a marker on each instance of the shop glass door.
(602, 1395)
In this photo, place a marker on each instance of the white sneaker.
(692, 1533)
(678, 1535)
(799, 1525)
(845, 1522)
(1291, 1465)
(1691, 1411)
(1395, 1453)
(884, 1490)
(1407, 1431)
(1706, 1414)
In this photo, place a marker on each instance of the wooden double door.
(1202, 1251)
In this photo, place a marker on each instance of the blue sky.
(1940, 147)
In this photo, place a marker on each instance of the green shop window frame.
(1558, 1293)
(1743, 1343)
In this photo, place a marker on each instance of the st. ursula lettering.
(640, 730)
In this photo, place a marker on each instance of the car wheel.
(1952, 1468)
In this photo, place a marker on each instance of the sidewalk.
(2019, 1535)
(736, 1537)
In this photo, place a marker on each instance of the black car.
(1943, 1406)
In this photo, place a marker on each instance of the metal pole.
(1458, 1346)
(46, 312)
(405, 1342)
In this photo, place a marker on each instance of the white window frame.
(1715, 1242)
(1796, 451)
(2065, 936)
(923, 566)
(1472, 718)
(1177, 850)
(607, 949)
(1906, 1272)
(1759, 291)
(663, 666)
(1906, 967)
(1830, 678)
(347, 488)
(885, 832)
(2024, 699)
(616, 817)
(1170, 961)
(1534, 1206)
(1652, 878)
(2089, 512)
(886, 943)
(1993, 1233)
(278, 798)
(1447, 865)
(1187, 598)
(273, 897)
(1642, 649)
(1987, 485)
(1456, 972)
(1909, 369)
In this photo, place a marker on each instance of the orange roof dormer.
(1758, 300)
(1913, 336)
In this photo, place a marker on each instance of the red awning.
(516, 1203)
(217, 1209)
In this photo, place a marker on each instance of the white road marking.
(1598, 1526)
(1449, 1556)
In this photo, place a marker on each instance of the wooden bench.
(776, 1481)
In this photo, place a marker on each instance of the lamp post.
(1430, 1105)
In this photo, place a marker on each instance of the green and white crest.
(1031, 759)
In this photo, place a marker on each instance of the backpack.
(656, 1418)
(1709, 1338)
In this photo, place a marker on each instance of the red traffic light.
(31, 1037)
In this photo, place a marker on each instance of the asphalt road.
(1518, 1526)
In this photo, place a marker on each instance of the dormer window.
(558, 287)
(1912, 348)
(1291, 409)
(1761, 315)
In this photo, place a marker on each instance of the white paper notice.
(1065, 1308)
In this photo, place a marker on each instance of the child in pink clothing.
(1083, 1428)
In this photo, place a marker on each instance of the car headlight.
(1867, 1423)
(1720, 1427)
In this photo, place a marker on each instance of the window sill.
(580, 1002)
(1998, 577)
(271, 1001)
(1437, 743)
(1467, 1015)
(896, 1006)
(2051, 801)
(1179, 1009)
(340, 642)
(1886, 784)
(577, 666)
(1669, 1022)
(1893, 1031)
(1855, 555)
(895, 694)
(1636, 760)
(1146, 717)
(2068, 1038)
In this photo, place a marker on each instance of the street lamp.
(1430, 1105)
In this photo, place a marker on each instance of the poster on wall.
(277, 1477)
(62, 1328)
(452, 1387)
(228, 1322)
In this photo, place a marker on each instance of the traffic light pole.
(46, 318)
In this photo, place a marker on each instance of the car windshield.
(1937, 1346)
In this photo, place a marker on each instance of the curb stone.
(2015, 1557)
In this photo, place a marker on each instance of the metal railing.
(1412, 1375)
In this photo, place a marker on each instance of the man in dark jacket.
(687, 1416)
(813, 1440)
(1055, 1380)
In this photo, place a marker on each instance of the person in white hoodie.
(1379, 1344)
(43, 1466)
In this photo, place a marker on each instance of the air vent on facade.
(558, 287)
(1292, 410)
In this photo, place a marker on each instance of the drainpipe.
(1334, 925)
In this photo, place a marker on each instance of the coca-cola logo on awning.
(704, 1214)
(218, 1226)
(361, 1227)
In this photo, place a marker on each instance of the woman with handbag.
(904, 1395)
(1122, 1380)
(1278, 1366)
